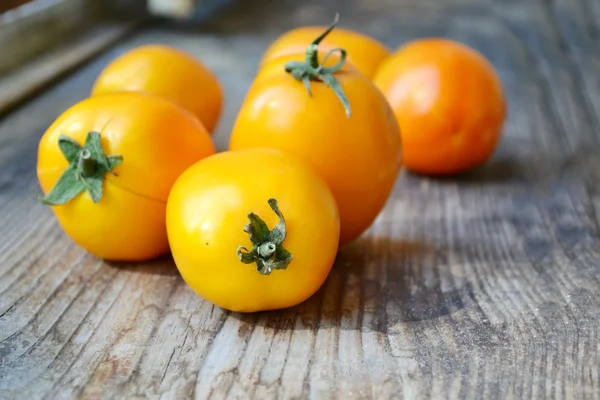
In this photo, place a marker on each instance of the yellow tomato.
(107, 165)
(167, 72)
(358, 155)
(217, 202)
(364, 52)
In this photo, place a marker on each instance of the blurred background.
(528, 42)
(43, 40)
(31, 27)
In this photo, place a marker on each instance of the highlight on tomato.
(106, 166)
(253, 230)
(364, 52)
(449, 103)
(334, 118)
(167, 72)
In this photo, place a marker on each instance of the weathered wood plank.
(18, 85)
(483, 286)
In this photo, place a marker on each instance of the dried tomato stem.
(267, 249)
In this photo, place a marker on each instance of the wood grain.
(485, 286)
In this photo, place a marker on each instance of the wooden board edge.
(24, 82)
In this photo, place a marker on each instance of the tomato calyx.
(86, 170)
(312, 70)
(267, 251)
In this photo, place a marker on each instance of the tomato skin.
(122, 227)
(364, 52)
(157, 139)
(167, 72)
(207, 211)
(449, 103)
(359, 157)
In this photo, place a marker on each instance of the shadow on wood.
(495, 171)
(390, 286)
(160, 266)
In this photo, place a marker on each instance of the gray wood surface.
(33, 27)
(485, 286)
(31, 77)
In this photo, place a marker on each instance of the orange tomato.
(449, 103)
(252, 262)
(364, 52)
(167, 72)
(358, 156)
(119, 213)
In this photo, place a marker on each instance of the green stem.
(312, 70)
(312, 54)
(267, 250)
(86, 165)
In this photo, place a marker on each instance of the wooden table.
(483, 286)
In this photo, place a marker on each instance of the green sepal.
(113, 161)
(93, 185)
(257, 229)
(267, 250)
(76, 179)
(312, 70)
(306, 81)
(334, 84)
(247, 257)
(67, 187)
(282, 254)
(70, 148)
(277, 235)
(94, 146)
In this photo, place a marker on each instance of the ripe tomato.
(358, 156)
(139, 145)
(216, 217)
(364, 52)
(167, 72)
(449, 104)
